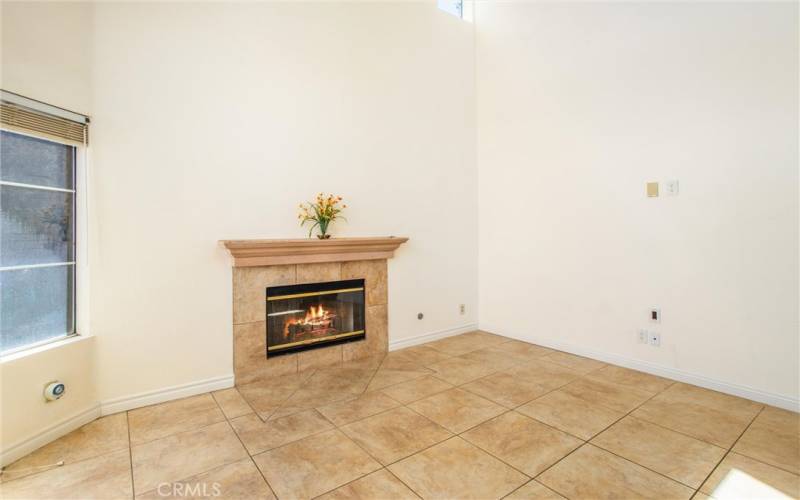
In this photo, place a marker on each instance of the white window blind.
(28, 116)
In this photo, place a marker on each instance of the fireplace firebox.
(308, 316)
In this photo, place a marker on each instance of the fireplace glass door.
(308, 316)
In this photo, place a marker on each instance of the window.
(37, 240)
(463, 9)
(454, 7)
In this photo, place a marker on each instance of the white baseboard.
(166, 394)
(55, 431)
(427, 337)
(660, 370)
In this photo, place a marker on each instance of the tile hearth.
(472, 416)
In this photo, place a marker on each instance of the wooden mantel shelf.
(278, 252)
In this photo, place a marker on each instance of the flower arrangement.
(321, 212)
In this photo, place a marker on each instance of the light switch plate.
(652, 189)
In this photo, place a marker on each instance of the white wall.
(579, 105)
(46, 51)
(27, 421)
(213, 121)
(44, 43)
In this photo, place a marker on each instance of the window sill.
(55, 344)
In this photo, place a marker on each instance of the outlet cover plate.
(671, 187)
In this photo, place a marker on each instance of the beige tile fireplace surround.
(259, 264)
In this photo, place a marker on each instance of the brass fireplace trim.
(314, 341)
(312, 294)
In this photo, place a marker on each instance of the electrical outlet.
(655, 315)
(655, 339)
(671, 187)
(644, 337)
(462, 309)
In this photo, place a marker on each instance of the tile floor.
(473, 416)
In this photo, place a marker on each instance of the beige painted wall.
(214, 120)
(46, 52)
(25, 416)
(579, 105)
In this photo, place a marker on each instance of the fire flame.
(317, 318)
(314, 315)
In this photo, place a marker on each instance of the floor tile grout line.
(404, 483)
(516, 408)
(534, 480)
(418, 399)
(587, 442)
(345, 399)
(448, 438)
(530, 478)
(406, 405)
(403, 382)
(726, 451)
(639, 417)
(452, 434)
(512, 409)
(280, 405)
(193, 429)
(578, 376)
(375, 372)
(525, 474)
(584, 441)
(508, 410)
(384, 466)
(651, 396)
(465, 430)
(55, 466)
(247, 451)
(370, 455)
(645, 419)
(517, 489)
(643, 466)
(130, 443)
(363, 418)
(762, 462)
(283, 445)
(130, 452)
(435, 373)
(375, 459)
(360, 478)
(230, 426)
(241, 396)
(729, 450)
(387, 411)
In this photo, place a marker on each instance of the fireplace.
(308, 316)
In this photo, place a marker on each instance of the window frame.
(79, 290)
